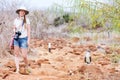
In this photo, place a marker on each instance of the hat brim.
(26, 12)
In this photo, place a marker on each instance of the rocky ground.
(64, 62)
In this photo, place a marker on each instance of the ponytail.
(24, 21)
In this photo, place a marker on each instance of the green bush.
(58, 21)
(66, 17)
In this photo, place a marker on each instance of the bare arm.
(28, 33)
(14, 30)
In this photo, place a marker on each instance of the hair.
(24, 20)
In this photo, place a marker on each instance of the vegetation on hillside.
(93, 14)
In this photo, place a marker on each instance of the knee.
(16, 53)
(24, 57)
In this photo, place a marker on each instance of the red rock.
(60, 47)
(12, 69)
(1, 74)
(58, 65)
(24, 71)
(82, 69)
(75, 39)
(10, 64)
(30, 62)
(113, 70)
(87, 39)
(53, 47)
(98, 54)
(33, 66)
(60, 59)
(118, 51)
(45, 61)
(104, 63)
(5, 75)
(77, 51)
(73, 46)
(92, 47)
(68, 50)
(108, 50)
(22, 65)
(39, 42)
(93, 69)
(81, 46)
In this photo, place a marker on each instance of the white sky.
(41, 3)
(44, 4)
(47, 3)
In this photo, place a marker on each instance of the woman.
(21, 36)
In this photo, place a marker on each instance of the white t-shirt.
(18, 23)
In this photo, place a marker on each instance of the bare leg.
(24, 55)
(16, 53)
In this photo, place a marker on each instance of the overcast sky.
(43, 4)
(48, 3)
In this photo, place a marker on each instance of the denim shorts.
(21, 42)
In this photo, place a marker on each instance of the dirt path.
(64, 62)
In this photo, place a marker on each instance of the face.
(21, 13)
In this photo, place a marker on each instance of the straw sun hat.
(22, 8)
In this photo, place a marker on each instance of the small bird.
(87, 58)
(49, 47)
